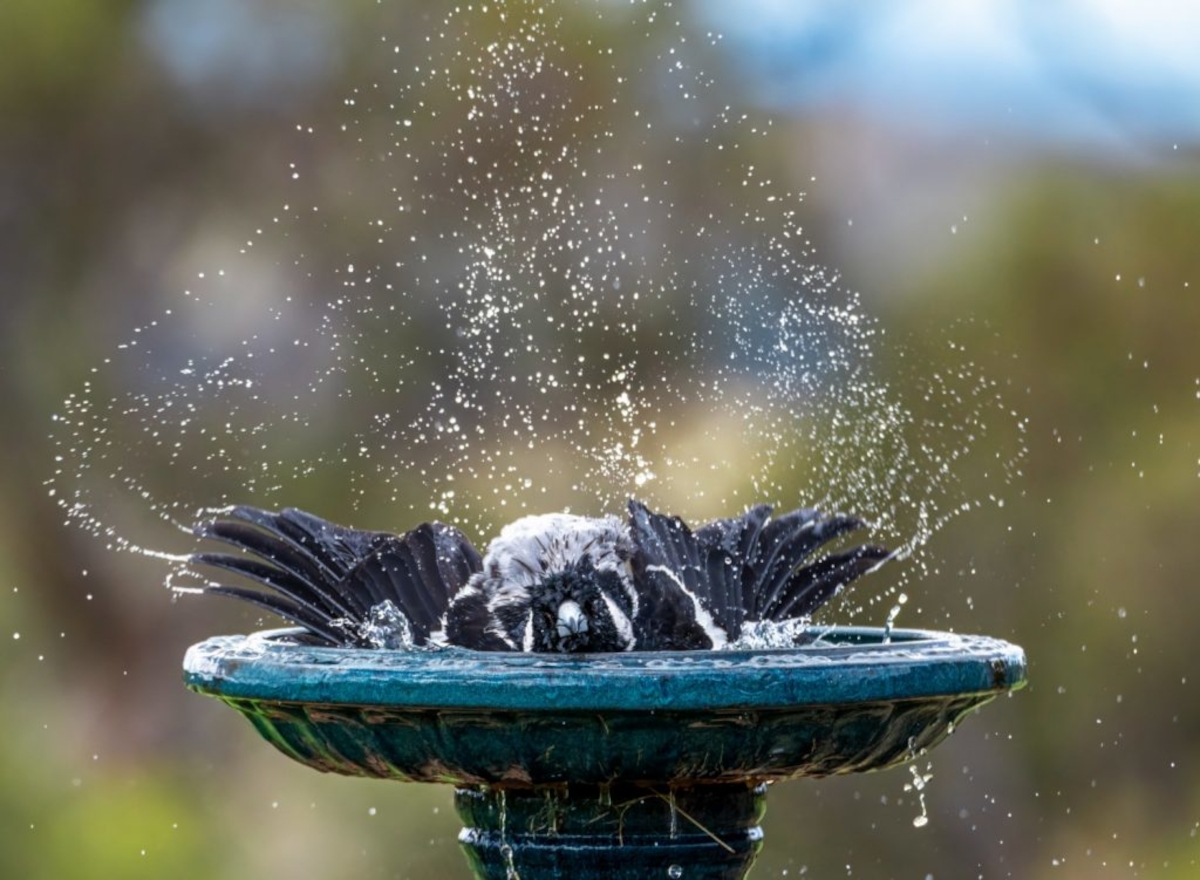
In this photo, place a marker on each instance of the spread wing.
(748, 568)
(330, 578)
(677, 588)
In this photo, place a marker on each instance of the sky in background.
(1104, 75)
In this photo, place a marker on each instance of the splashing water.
(532, 306)
(890, 624)
(919, 782)
(386, 627)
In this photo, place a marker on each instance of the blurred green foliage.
(1075, 286)
(52, 51)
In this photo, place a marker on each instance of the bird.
(547, 583)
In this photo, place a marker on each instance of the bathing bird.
(551, 583)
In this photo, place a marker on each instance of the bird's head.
(581, 609)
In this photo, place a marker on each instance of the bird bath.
(614, 765)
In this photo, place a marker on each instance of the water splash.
(386, 626)
(919, 782)
(890, 624)
(533, 307)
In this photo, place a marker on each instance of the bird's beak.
(571, 620)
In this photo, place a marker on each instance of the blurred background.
(1017, 183)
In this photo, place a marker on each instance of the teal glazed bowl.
(609, 765)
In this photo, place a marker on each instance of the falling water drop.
(919, 782)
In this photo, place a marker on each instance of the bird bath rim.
(842, 665)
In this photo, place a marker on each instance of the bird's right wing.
(324, 576)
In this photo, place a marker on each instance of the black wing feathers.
(284, 583)
(787, 543)
(750, 568)
(316, 623)
(247, 531)
(695, 590)
(672, 575)
(469, 623)
(324, 576)
(666, 618)
(814, 585)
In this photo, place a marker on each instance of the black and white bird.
(549, 583)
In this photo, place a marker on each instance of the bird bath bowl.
(609, 765)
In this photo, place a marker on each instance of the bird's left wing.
(332, 579)
(683, 585)
(738, 570)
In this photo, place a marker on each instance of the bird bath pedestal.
(610, 765)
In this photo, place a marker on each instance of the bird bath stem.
(706, 831)
(613, 765)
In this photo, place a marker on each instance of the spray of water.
(532, 306)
